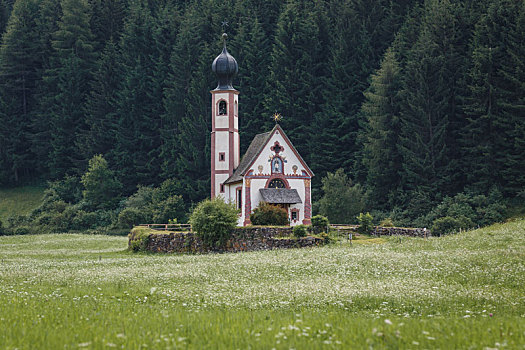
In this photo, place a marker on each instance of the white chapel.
(271, 170)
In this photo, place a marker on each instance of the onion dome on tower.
(225, 67)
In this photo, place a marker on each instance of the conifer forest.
(417, 101)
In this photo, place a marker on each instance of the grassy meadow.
(19, 200)
(85, 291)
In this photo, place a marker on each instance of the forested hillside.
(415, 100)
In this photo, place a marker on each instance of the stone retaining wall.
(392, 231)
(243, 239)
(401, 231)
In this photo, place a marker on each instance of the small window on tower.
(222, 188)
(222, 108)
(222, 157)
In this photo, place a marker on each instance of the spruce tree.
(73, 72)
(136, 155)
(253, 47)
(381, 111)
(50, 13)
(186, 147)
(297, 71)
(101, 105)
(494, 101)
(20, 65)
(429, 86)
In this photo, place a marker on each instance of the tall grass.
(19, 201)
(74, 291)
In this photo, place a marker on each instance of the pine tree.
(50, 13)
(20, 65)
(297, 72)
(101, 105)
(138, 143)
(253, 46)
(75, 60)
(107, 20)
(494, 101)
(431, 76)
(382, 112)
(186, 148)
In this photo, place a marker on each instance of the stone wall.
(243, 239)
(390, 231)
(401, 231)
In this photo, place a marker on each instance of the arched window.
(236, 109)
(277, 165)
(222, 108)
(276, 183)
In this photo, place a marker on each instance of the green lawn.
(78, 291)
(19, 200)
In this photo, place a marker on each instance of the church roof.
(256, 147)
(252, 152)
(280, 195)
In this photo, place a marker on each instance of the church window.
(236, 109)
(222, 157)
(222, 188)
(239, 198)
(277, 165)
(276, 183)
(222, 108)
(294, 215)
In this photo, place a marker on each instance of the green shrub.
(342, 200)
(320, 223)
(387, 223)
(22, 230)
(101, 187)
(130, 217)
(170, 208)
(139, 238)
(365, 223)
(1, 228)
(16, 220)
(213, 221)
(448, 224)
(267, 214)
(300, 231)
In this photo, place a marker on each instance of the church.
(270, 171)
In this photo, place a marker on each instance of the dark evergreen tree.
(102, 105)
(107, 20)
(50, 13)
(5, 12)
(137, 151)
(186, 151)
(494, 101)
(253, 46)
(20, 65)
(381, 111)
(429, 87)
(298, 70)
(75, 61)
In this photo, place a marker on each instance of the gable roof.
(280, 195)
(255, 149)
(257, 144)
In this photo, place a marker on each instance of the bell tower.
(225, 142)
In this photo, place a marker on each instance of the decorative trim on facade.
(307, 203)
(247, 202)
(277, 176)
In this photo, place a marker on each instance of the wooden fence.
(168, 227)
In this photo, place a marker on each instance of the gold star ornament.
(277, 117)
